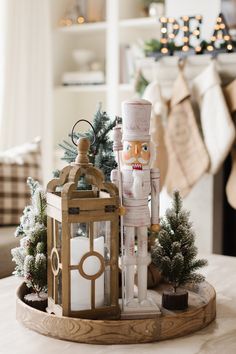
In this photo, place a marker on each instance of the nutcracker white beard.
(137, 187)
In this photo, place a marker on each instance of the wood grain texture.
(201, 312)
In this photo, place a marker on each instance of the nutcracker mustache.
(135, 160)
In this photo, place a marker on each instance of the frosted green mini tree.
(101, 152)
(174, 253)
(31, 256)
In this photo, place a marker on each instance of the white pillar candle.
(81, 287)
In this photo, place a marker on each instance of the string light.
(163, 40)
(185, 39)
(164, 50)
(185, 28)
(176, 26)
(227, 37)
(196, 32)
(171, 20)
(198, 17)
(185, 48)
(222, 26)
(219, 19)
(171, 36)
(163, 20)
(185, 18)
(213, 38)
(198, 49)
(229, 47)
(210, 48)
(164, 30)
(80, 19)
(68, 22)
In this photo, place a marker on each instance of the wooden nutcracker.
(136, 182)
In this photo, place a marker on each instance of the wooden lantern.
(83, 231)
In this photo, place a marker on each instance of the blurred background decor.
(81, 11)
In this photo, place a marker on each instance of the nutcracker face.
(136, 154)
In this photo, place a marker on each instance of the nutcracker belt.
(136, 212)
(135, 202)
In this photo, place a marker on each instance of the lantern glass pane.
(103, 228)
(79, 229)
(90, 261)
(56, 279)
(59, 296)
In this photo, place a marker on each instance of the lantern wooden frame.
(67, 205)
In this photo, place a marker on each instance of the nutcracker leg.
(129, 262)
(143, 261)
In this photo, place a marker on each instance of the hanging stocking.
(152, 93)
(188, 158)
(230, 94)
(217, 126)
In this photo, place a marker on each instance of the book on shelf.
(83, 78)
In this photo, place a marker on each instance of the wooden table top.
(218, 337)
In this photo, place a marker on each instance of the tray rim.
(169, 325)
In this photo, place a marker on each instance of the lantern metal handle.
(72, 132)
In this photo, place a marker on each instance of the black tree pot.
(175, 300)
(39, 302)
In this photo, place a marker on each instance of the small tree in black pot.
(175, 255)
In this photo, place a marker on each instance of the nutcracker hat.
(136, 115)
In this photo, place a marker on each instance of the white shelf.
(91, 88)
(81, 88)
(84, 28)
(142, 22)
(126, 87)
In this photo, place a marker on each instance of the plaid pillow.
(16, 165)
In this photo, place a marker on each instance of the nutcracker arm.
(155, 192)
(115, 179)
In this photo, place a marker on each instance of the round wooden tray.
(201, 311)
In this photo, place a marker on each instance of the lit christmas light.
(164, 50)
(176, 26)
(163, 40)
(163, 20)
(196, 32)
(80, 19)
(198, 17)
(185, 48)
(210, 48)
(171, 36)
(198, 49)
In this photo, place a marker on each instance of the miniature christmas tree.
(31, 256)
(100, 153)
(174, 252)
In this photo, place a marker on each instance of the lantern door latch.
(110, 208)
(74, 211)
